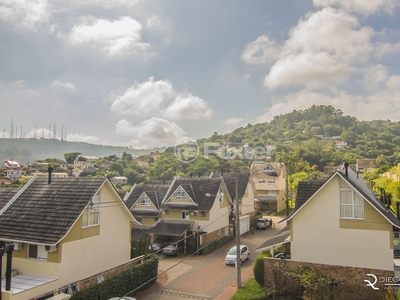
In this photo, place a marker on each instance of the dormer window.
(181, 194)
(144, 200)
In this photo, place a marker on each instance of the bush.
(258, 268)
(123, 283)
(215, 244)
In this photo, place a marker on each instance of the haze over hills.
(29, 150)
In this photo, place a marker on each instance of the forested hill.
(303, 140)
(30, 150)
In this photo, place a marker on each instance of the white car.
(230, 258)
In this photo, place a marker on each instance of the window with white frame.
(91, 214)
(351, 203)
(181, 194)
(271, 180)
(185, 215)
(37, 252)
(144, 200)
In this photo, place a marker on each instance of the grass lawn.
(251, 290)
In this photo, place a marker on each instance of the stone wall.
(348, 281)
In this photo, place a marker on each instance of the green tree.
(71, 157)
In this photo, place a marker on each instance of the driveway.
(206, 276)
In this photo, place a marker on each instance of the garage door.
(244, 224)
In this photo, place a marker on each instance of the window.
(351, 204)
(37, 252)
(271, 180)
(181, 194)
(203, 214)
(185, 215)
(91, 214)
(261, 180)
(144, 200)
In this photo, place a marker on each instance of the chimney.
(222, 172)
(199, 174)
(50, 170)
(191, 174)
(346, 169)
(9, 249)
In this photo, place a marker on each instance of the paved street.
(205, 277)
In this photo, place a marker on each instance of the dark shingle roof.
(154, 190)
(43, 213)
(6, 194)
(196, 188)
(171, 227)
(305, 190)
(230, 182)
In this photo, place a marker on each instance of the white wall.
(318, 238)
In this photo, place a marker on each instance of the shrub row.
(258, 268)
(123, 283)
(215, 244)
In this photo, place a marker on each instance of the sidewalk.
(231, 289)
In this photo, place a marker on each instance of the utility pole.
(238, 262)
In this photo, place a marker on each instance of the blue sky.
(147, 73)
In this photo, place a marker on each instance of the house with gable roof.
(64, 230)
(270, 182)
(200, 205)
(144, 200)
(243, 184)
(340, 230)
(340, 222)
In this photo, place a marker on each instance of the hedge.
(215, 244)
(258, 268)
(123, 283)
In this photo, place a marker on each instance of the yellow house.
(63, 231)
(203, 204)
(340, 222)
(144, 200)
(270, 183)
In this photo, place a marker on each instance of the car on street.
(173, 249)
(230, 258)
(262, 223)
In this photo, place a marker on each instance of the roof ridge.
(17, 195)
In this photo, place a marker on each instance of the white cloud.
(364, 7)
(151, 132)
(159, 98)
(113, 37)
(82, 137)
(145, 98)
(25, 14)
(374, 75)
(67, 85)
(309, 69)
(324, 47)
(393, 83)
(189, 107)
(234, 121)
(261, 51)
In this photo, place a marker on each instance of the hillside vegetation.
(305, 140)
(30, 150)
